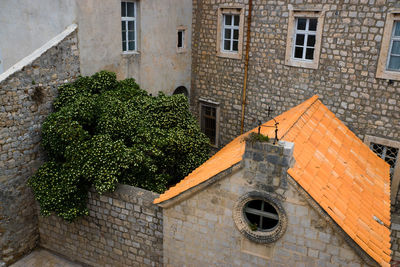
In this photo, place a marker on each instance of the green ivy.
(105, 132)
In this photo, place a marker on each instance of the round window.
(260, 217)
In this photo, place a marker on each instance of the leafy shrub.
(256, 137)
(105, 132)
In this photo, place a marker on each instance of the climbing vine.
(103, 132)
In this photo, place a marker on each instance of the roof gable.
(332, 165)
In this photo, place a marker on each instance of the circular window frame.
(259, 236)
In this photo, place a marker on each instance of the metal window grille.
(128, 24)
(262, 214)
(209, 122)
(388, 154)
(305, 38)
(393, 62)
(230, 33)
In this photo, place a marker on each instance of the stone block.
(258, 156)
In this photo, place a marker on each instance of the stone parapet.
(123, 228)
(27, 92)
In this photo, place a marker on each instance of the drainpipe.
(246, 65)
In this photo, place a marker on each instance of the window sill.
(388, 75)
(302, 63)
(237, 55)
(130, 53)
(181, 50)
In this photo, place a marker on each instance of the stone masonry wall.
(345, 79)
(200, 230)
(26, 98)
(124, 228)
(395, 235)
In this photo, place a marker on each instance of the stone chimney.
(266, 165)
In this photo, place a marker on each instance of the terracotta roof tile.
(336, 169)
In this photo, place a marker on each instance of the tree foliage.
(105, 132)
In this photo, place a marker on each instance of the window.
(209, 122)
(305, 32)
(128, 25)
(181, 35)
(181, 43)
(304, 38)
(388, 154)
(389, 56)
(230, 32)
(387, 150)
(394, 51)
(260, 217)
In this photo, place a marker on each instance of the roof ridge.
(312, 101)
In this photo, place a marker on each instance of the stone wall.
(27, 91)
(200, 230)
(124, 228)
(395, 235)
(345, 79)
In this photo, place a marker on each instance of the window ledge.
(302, 63)
(229, 55)
(181, 50)
(388, 74)
(130, 53)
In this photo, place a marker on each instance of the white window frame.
(392, 39)
(394, 187)
(232, 28)
(290, 60)
(125, 20)
(382, 70)
(229, 10)
(306, 33)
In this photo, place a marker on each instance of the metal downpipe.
(246, 65)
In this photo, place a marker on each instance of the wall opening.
(181, 90)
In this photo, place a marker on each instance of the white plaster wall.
(26, 25)
(162, 68)
(100, 37)
(157, 66)
(1, 63)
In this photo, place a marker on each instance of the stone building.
(319, 197)
(46, 43)
(157, 34)
(345, 51)
(27, 91)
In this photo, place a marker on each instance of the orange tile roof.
(336, 169)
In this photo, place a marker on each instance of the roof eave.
(188, 193)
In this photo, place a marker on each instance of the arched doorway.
(181, 90)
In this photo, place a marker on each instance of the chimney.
(266, 165)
